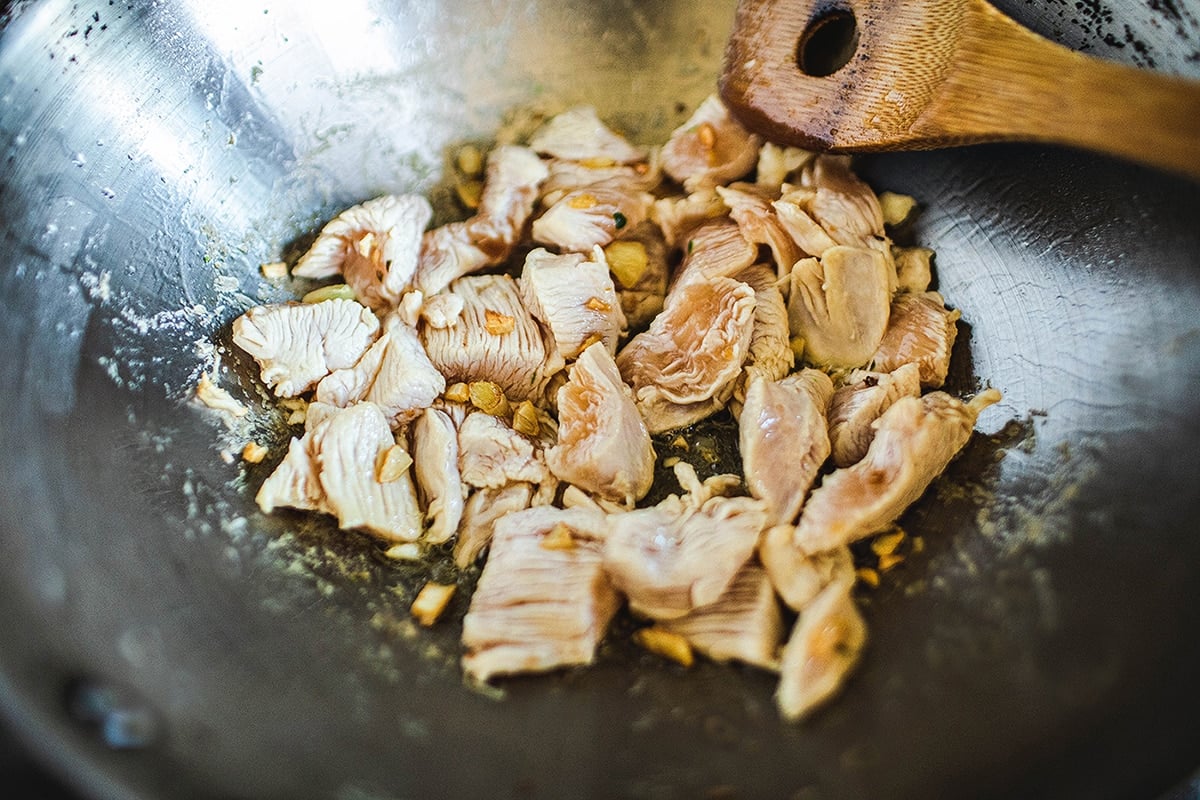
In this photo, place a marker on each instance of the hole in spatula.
(828, 43)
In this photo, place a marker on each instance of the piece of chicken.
(491, 454)
(921, 331)
(776, 164)
(495, 339)
(603, 445)
(592, 215)
(543, 600)
(914, 441)
(710, 149)
(683, 367)
(295, 483)
(638, 263)
(574, 297)
(480, 513)
(716, 249)
(840, 304)
(914, 272)
(677, 217)
(673, 557)
(823, 648)
(298, 344)
(784, 417)
(843, 205)
(798, 576)
(750, 207)
(434, 448)
(770, 352)
(578, 134)
(744, 624)
(791, 209)
(447, 253)
(567, 176)
(374, 246)
(859, 402)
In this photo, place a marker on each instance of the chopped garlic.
(392, 464)
(254, 452)
(217, 398)
(405, 551)
(526, 420)
(498, 324)
(868, 576)
(334, 291)
(470, 161)
(596, 304)
(559, 538)
(896, 207)
(431, 601)
(274, 270)
(890, 560)
(666, 644)
(457, 392)
(469, 192)
(886, 543)
(627, 260)
(488, 397)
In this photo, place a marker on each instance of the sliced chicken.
(684, 366)
(495, 339)
(345, 387)
(776, 164)
(792, 212)
(592, 215)
(744, 624)
(914, 441)
(603, 445)
(716, 249)
(578, 134)
(491, 454)
(843, 205)
(921, 331)
(566, 176)
(374, 246)
(797, 576)
(439, 486)
(348, 446)
(543, 600)
(785, 416)
(677, 217)
(840, 305)
(672, 558)
(298, 344)
(448, 253)
(480, 513)
(638, 263)
(823, 648)
(914, 272)
(759, 223)
(294, 483)
(710, 149)
(859, 402)
(574, 297)
(770, 353)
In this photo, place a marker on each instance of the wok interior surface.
(1044, 644)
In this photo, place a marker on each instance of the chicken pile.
(494, 383)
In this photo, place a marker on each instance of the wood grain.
(934, 73)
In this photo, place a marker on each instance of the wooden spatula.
(862, 75)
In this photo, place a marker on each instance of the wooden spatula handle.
(932, 73)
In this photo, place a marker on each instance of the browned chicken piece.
(603, 445)
(797, 576)
(770, 354)
(298, 344)
(434, 448)
(592, 215)
(566, 176)
(914, 271)
(543, 600)
(843, 205)
(574, 297)
(792, 211)
(784, 439)
(914, 441)
(324, 471)
(578, 134)
(859, 402)
(638, 263)
(839, 305)
(824, 647)
(495, 339)
(677, 217)
(374, 246)
(710, 149)
(673, 557)
(491, 454)
(716, 249)
(921, 331)
(480, 513)
(744, 624)
(750, 206)
(776, 164)
(683, 367)
(510, 189)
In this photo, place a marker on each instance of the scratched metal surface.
(155, 154)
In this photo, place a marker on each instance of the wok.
(161, 637)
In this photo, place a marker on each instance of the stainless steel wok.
(160, 637)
